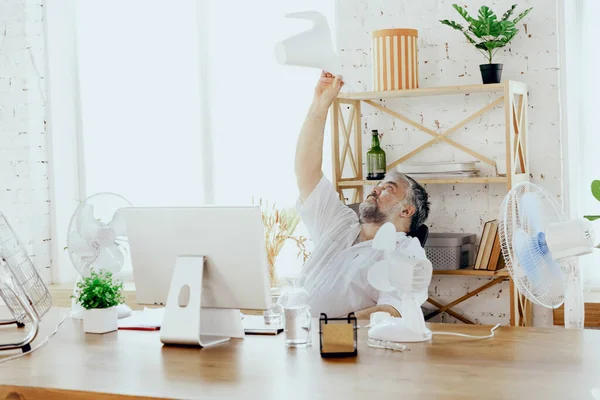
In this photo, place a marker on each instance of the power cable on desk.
(36, 347)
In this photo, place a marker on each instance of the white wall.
(23, 163)
(445, 58)
(140, 101)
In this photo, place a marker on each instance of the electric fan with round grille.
(539, 247)
(21, 287)
(97, 240)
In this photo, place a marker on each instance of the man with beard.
(335, 275)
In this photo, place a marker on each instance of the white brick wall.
(23, 161)
(445, 58)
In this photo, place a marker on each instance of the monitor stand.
(185, 321)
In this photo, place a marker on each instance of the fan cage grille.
(25, 280)
(535, 282)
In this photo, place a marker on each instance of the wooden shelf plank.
(432, 91)
(489, 179)
(472, 272)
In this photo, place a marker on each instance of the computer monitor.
(231, 239)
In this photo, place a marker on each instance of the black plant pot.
(491, 73)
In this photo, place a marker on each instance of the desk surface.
(516, 363)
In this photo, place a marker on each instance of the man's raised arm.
(309, 148)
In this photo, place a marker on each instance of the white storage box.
(450, 250)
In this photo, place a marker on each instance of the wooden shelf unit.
(346, 146)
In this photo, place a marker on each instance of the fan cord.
(491, 335)
(3, 360)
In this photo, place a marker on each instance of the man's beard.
(369, 213)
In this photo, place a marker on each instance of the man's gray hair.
(416, 195)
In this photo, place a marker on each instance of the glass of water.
(297, 317)
(273, 315)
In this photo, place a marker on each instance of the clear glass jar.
(274, 315)
(297, 317)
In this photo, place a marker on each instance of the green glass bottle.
(375, 158)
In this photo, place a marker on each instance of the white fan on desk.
(97, 239)
(410, 277)
(539, 247)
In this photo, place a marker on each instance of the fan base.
(395, 330)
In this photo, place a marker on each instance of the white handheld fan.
(410, 277)
(97, 239)
(312, 48)
(539, 246)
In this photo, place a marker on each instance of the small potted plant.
(99, 294)
(488, 34)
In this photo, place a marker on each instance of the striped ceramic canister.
(395, 62)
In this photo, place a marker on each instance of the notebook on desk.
(147, 320)
(255, 325)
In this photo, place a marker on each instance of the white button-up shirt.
(336, 272)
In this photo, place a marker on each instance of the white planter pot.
(100, 320)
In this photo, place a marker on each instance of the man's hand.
(327, 90)
(366, 313)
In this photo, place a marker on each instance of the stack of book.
(440, 170)
(489, 255)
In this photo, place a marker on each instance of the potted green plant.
(99, 294)
(488, 34)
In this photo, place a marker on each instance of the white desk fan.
(411, 278)
(539, 246)
(97, 239)
(21, 287)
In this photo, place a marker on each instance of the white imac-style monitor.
(220, 256)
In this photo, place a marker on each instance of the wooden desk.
(518, 363)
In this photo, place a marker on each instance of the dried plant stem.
(279, 226)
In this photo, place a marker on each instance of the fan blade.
(118, 223)
(401, 272)
(79, 246)
(526, 255)
(530, 209)
(538, 270)
(385, 238)
(87, 226)
(110, 259)
(378, 276)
